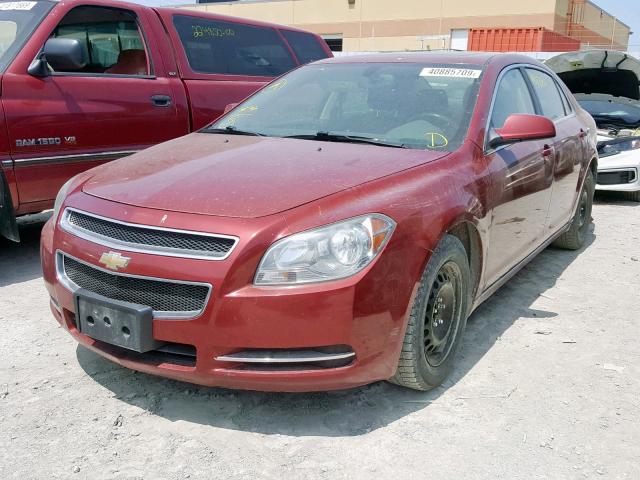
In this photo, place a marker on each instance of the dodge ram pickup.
(83, 82)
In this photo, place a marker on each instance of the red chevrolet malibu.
(334, 229)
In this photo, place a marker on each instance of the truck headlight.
(62, 195)
(332, 252)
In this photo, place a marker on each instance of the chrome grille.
(155, 240)
(168, 297)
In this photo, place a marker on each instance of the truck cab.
(83, 82)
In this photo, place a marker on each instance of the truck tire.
(573, 239)
(8, 224)
(437, 320)
(632, 196)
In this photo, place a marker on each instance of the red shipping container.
(533, 39)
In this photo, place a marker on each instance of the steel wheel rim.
(582, 210)
(442, 314)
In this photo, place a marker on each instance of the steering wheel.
(439, 120)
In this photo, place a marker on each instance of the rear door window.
(547, 92)
(306, 46)
(228, 48)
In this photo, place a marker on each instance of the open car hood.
(599, 71)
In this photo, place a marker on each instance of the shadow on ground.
(20, 262)
(343, 413)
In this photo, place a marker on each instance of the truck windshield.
(17, 21)
(409, 105)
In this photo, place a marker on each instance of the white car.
(607, 85)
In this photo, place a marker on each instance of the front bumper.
(619, 173)
(361, 313)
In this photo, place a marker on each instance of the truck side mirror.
(65, 54)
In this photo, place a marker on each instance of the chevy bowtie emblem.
(114, 261)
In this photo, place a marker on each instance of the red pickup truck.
(87, 81)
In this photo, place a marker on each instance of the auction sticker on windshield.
(450, 72)
(17, 5)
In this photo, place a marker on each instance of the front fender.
(8, 224)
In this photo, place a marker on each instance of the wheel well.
(470, 238)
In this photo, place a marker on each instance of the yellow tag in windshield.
(436, 140)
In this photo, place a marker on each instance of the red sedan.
(334, 229)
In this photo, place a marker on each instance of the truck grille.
(170, 298)
(147, 239)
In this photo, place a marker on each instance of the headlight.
(613, 147)
(326, 253)
(62, 194)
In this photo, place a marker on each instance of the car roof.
(453, 57)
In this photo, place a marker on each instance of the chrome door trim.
(80, 157)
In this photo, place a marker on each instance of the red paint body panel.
(218, 171)
(105, 114)
(504, 195)
(535, 39)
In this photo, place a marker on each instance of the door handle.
(161, 100)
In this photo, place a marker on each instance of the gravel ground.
(548, 386)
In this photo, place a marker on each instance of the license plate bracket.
(124, 324)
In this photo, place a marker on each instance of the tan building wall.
(383, 25)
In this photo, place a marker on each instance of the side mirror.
(230, 107)
(64, 54)
(520, 128)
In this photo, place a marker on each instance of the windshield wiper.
(339, 137)
(231, 130)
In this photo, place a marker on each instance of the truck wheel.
(437, 320)
(573, 239)
(632, 196)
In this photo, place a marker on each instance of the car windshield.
(17, 21)
(604, 111)
(410, 105)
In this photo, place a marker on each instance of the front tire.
(573, 239)
(437, 320)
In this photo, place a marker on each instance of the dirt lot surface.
(548, 386)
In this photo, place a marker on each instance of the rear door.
(223, 61)
(568, 148)
(121, 102)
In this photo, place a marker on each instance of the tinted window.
(305, 46)
(512, 97)
(110, 38)
(415, 105)
(548, 94)
(229, 48)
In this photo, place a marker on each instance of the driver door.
(522, 178)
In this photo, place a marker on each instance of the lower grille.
(291, 359)
(168, 297)
(616, 178)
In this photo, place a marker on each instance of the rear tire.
(437, 320)
(632, 196)
(573, 239)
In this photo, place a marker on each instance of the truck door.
(223, 61)
(121, 101)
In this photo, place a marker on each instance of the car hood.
(598, 71)
(240, 176)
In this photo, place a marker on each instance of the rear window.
(228, 48)
(306, 46)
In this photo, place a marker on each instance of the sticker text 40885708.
(450, 72)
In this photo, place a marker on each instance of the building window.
(334, 42)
